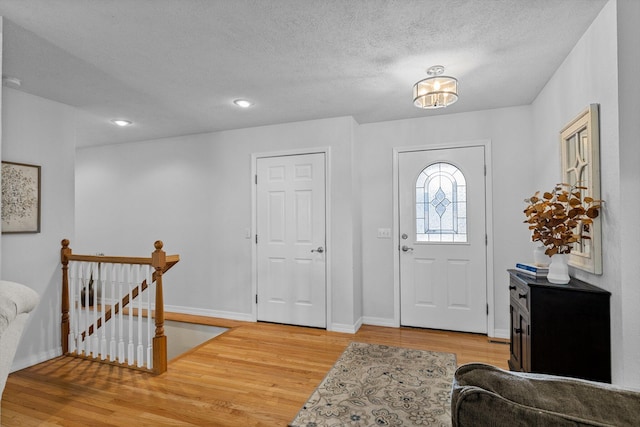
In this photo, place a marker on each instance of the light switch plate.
(384, 233)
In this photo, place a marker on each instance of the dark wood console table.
(559, 329)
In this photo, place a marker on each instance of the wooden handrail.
(171, 259)
(158, 260)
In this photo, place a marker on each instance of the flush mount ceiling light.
(436, 91)
(121, 122)
(242, 103)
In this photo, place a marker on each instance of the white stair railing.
(92, 311)
(104, 314)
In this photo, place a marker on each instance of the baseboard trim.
(34, 359)
(345, 328)
(501, 334)
(379, 321)
(231, 315)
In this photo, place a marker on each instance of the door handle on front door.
(319, 250)
(406, 248)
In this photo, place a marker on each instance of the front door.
(291, 266)
(443, 239)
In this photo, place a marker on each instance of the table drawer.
(519, 293)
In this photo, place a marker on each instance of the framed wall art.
(20, 198)
(580, 152)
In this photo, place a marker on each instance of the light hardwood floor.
(255, 374)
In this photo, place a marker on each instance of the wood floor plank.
(255, 374)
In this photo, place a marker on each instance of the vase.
(540, 259)
(559, 270)
(83, 295)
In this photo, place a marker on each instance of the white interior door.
(291, 266)
(443, 239)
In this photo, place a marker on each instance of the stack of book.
(532, 270)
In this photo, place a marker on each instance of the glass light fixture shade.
(435, 92)
(121, 122)
(243, 103)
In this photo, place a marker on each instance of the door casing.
(488, 218)
(327, 207)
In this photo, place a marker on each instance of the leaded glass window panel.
(441, 204)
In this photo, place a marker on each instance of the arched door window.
(441, 204)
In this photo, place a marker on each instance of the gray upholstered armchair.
(16, 301)
(484, 395)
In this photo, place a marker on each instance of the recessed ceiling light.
(242, 103)
(121, 122)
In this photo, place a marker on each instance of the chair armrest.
(15, 299)
(519, 399)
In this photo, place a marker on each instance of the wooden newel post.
(159, 262)
(64, 259)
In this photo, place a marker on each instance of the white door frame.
(488, 224)
(327, 206)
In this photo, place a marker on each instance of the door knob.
(406, 248)
(319, 250)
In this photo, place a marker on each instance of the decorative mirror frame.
(580, 151)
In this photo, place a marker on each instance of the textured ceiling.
(174, 66)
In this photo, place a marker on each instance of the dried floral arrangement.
(561, 217)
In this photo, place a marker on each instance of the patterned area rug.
(378, 385)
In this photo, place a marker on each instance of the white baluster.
(87, 309)
(140, 352)
(130, 347)
(112, 285)
(103, 296)
(95, 342)
(120, 316)
(81, 317)
(149, 275)
(76, 308)
(71, 338)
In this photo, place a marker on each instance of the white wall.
(509, 132)
(1, 97)
(588, 75)
(358, 290)
(41, 132)
(193, 192)
(204, 184)
(206, 178)
(629, 114)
